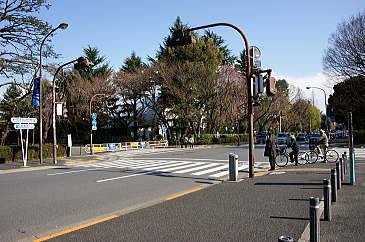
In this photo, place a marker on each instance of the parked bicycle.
(282, 157)
(314, 153)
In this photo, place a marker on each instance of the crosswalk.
(194, 167)
(359, 152)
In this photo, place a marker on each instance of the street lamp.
(81, 61)
(325, 104)
(61, 26)
(90, 112)
(249, 91)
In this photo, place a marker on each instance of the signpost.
(24, 123)
(93, 127)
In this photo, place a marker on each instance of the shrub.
(14, 153)
(6, 154)
(206, 139)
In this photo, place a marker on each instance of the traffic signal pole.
(249, 91)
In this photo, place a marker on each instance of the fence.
(78, 150)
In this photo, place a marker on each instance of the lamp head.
(308, 87)
(63, 26)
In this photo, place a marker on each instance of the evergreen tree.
(228, 58)
(132, 63)
(99, 69)
(13, 104)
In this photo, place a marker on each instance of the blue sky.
(292, 35)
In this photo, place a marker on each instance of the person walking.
(270, 150)
(295, 150)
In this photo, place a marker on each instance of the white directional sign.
(16, 120)
(94, 128)
(24, 126)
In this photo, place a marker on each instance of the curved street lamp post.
(249, 91)
(81, 61)
(325, 104)
(61, 26)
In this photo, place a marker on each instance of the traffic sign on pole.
(24, 126)
(93, 122)
(93, 116)
(94, 128)
(17, 120)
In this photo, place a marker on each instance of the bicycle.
(282, 158)
(314, 153)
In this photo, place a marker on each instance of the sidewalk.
(258, 209)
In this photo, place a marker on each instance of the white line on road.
(178, 168)
(165, 166)
(197, 168)
(68, 172)
(210, 170)
(121, 177)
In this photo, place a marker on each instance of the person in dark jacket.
(270, 150)
(295, 150)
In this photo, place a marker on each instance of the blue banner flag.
(36, 94)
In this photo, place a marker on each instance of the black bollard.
(314, 219)
(284, 238)
(233, 167)
(342, 169)
(333, 185)
(327, 199)
(344, 157)
(338, 172)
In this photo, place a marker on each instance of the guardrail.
(109, 147)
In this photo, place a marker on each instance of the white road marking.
(68, 172)
(223, 173)
(210, 170)
(178, 168)
(121, 177)
(197, 168)
(166, 166)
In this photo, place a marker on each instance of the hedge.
(208, 139)
(13, 153)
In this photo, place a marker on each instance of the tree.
(228, 58)
(270, 108)
(21, 33)
(99, 69)
(132, 63)
(346, 54)
(349, 95)
(76, 88)
(13, 104)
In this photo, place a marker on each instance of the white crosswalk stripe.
(359, 152)
(195, 167)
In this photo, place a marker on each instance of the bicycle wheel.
(312, 157)
(332, 156)
(281, 160)
(303, 158)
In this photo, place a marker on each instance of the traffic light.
(270, 86)
(182, 39)
(82, 62)
(259, 85)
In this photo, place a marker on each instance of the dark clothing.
(295, 150)
(294, 146)
(270, 151)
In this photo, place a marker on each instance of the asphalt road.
(42, 202)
